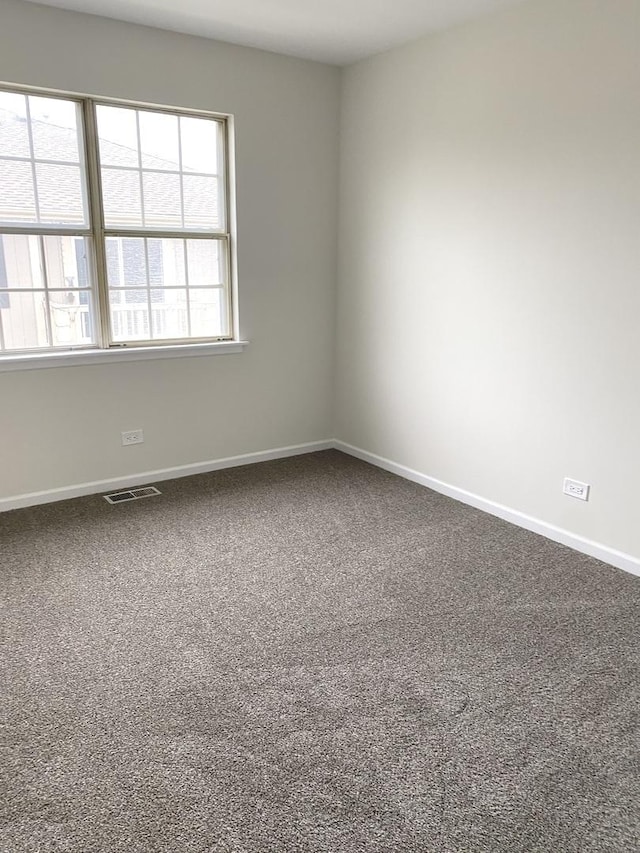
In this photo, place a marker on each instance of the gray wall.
(62, 426)
(489, 293)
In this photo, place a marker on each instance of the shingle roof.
(59, 184)
(60, 143)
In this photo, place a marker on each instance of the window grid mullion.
(34, 176)
(146, 265)
(32, 230)
(82, 162)
(162, 234)
(45, 279)
(157, 171)
(140, 179)
(186, 277)
(180, 170)
(15, 158)
(138, 288)
(100, 314)
(24, 290)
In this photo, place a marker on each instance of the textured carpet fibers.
(312, 655)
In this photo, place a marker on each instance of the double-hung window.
(114, 225)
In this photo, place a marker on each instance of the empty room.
(320, 426)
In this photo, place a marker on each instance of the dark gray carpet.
(312, 655)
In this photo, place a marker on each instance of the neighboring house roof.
(60, 193)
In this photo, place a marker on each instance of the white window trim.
(133, 351)
(35, 361)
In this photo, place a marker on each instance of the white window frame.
(105, 347)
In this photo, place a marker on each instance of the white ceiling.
(334, 31)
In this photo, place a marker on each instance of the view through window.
(113, 225)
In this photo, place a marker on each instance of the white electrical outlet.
(576, 489)
(132, 436)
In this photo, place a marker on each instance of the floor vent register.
(132, 495)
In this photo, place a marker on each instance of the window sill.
(74, 358)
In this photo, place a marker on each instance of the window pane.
(208, 313)
(204, 263)
(201, 202)
(121, 198)
(51, 128)
(22, 295)
(70, 312)
(117, 135)
(172, 148)
(133, 261)
(129, 318)
(14, 135)
(157, 276)
(114, 271)
(21, 264)
(127, 264)
(169, 314)
(23, 317)
(17, 198)
(166, 263)
(60, 194)
(54, 125)
(67, 262)
(162, 207)
(199, 138)
(159, 141)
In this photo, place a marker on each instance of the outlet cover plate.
(132, 436)
(576, 489)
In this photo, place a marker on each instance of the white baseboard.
(144, 477)
(550, 531)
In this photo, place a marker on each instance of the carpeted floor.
(312, 655)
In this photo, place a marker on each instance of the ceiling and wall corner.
(333, 31)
